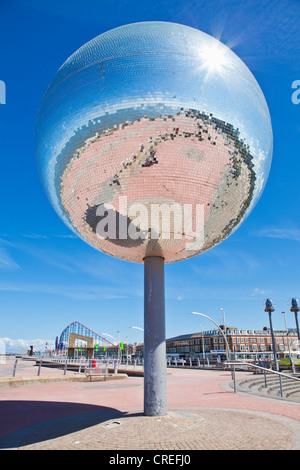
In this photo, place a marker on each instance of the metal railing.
(85, 363)
(263, 369)
(81, 363)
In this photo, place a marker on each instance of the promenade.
(203, 414)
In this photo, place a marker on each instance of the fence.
(79, 364)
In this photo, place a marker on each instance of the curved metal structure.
(79, 329)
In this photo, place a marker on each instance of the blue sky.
(48, 277)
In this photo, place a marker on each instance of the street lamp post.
(118, 342)
(126, 337)
(226, 343)
(203, 348)
(269, 308)
(295, 307)
(288, 340)
(224, 323)
(138, 328)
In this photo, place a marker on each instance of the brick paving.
(203, 414)
(178, 430)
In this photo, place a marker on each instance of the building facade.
(242, 344)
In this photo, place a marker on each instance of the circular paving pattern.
(201, 429)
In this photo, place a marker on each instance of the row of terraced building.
(242, 344)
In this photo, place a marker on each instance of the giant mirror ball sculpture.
(153, 115)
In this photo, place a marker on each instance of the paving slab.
(203, 414)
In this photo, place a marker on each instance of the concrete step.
(256, 385)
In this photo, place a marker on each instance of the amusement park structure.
(77, 330)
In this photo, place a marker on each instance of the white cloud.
(281, 233)
(80, 292)
(259, 291)
(6, 261)
(18, 345)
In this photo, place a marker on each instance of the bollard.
(233, 376)
(40, 364)
(15, 367)
(65, 368)
(265, 379)
(280, 385)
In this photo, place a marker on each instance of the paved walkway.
(203, 413)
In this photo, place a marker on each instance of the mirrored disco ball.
(153, 139)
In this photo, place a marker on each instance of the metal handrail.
(260, 367)
(275, 372)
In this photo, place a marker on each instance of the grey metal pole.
(234, 381)
(15, 368)
(296, 308)
(273, 341)
(289, 346)
(40, 365)
(155, 394)
(65, 368)
(297, 324)
(265, 379)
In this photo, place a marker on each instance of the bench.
(96, 372)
